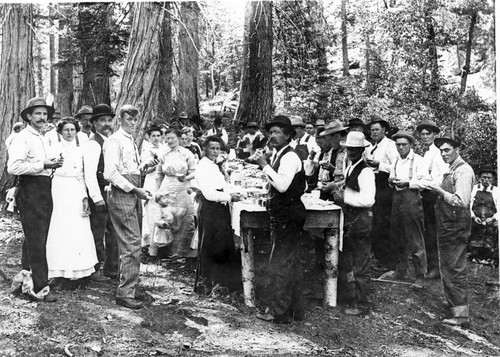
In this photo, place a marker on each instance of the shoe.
(456, 321)
(50, 297)
(129, 303)
(418, 284)
(99, 277)
(432, 274)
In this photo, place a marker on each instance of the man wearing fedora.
(356, 199)
(381, 158)
(286, 178)
(303, 143)
(453, 224)
(436, 167)
(105, 236)
(122, 168)
(484, 212)
(408, 175)
(84, 116)
(28, 159)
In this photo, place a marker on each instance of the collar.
(32, 130)
(410, 156)
(102, 136)
(488, 189)
(124, 133)
(357, 162)
(455, 163)
(281, 150)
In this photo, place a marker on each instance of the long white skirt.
(71, 250)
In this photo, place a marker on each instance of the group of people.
(90, 201)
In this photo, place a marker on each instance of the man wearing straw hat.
(357, 199)
(453, 224)
(28, 159)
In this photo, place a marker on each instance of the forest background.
(404, 60)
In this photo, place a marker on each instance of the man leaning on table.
(287, 212)
(356, 200)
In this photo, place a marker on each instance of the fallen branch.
(392, 281)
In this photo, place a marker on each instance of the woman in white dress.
(71, 251)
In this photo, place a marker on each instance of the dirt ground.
(176, 322)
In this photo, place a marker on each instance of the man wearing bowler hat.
(357, 198)
(484, 212)
(84, 116)
(105, 236)
(286, 178)
(408, 175)
(122, 168)
(381, 158)
(436, 167)
(28, 159)
(453, 224)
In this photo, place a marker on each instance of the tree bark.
(431, 41)
(64, 97)
(189, 44)
(165, 107)
(367, 62)
(139, 85)
(466, 68)
(345, 56)
(256, 93)
(39, 71)
(16, 74)
(52, 53)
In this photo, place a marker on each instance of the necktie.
(374, 148)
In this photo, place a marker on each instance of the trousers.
(431, 250)
(34, 200)
(380, 235)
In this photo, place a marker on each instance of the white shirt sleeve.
(290, 164)
(19, 162)
(91, 154)
(211, 182)
(366, 195)
(421, 177)
(391, 153)
(111, 169)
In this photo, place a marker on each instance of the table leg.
(247, 266)
(331, 267)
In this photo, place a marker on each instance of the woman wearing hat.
(453, 223)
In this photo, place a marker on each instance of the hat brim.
(50, 111)
(97, 116)
(493, 172)
(410, 138)
(381, 122)
(268, 126)
(78, 115)
(365, 144)
(331, 131)
(440, 141)
(428, 126)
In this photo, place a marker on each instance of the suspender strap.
(410, 174)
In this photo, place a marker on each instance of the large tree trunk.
(466, 68)
(139, 84)
(52, 53)
(64, 97)
(16, 74)
(345, 56)
(165, 108)
(189, 44)
(39, 71)
(256, 93)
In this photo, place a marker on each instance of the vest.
(295, 190)
(100, 166)
(301, 149)
(352, 180)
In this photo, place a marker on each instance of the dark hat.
(281, 121)
(453, 140)
(375, 118)
(487, 168)
(218, 120)
(101, 110)
(332, 127)
(252, 124)
(196, 119)
(355, 122)
(404, 134)
(36, 102)
(86, 109)
(428, 124)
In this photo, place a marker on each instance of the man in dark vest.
(104, 233)
(356, 200)
(287, 213)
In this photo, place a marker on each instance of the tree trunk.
(16, 74)
(466, 68)
(39, 71)
(64, 97)
(140, 82)
(52, 53)
(433, 58)
(367, 62)
(256, 93)
(345, 57)
(189, 44)
(165, 107)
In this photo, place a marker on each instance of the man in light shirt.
(356, 200)
(381, 158)
(28, 159)
(407, 176)
(84, 117)
(122, 168)
(287, 213)
(102, 228)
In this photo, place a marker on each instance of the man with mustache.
(102, 228)
(28, 159)
(84, 116)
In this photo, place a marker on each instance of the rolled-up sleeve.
(464, 182)
(19, 163)
(290, 164)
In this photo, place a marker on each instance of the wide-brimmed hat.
(252, 124)
(453, 140)
(183, 115)
(37, 102)
(355, 139)
(375, 118)
(101, 110)
(355, 122)
(281, 121)
(85, 109)
(319, 122)
(403, 134)
(428, 124)
(332, 127)
(486, 168)
(297, 121)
